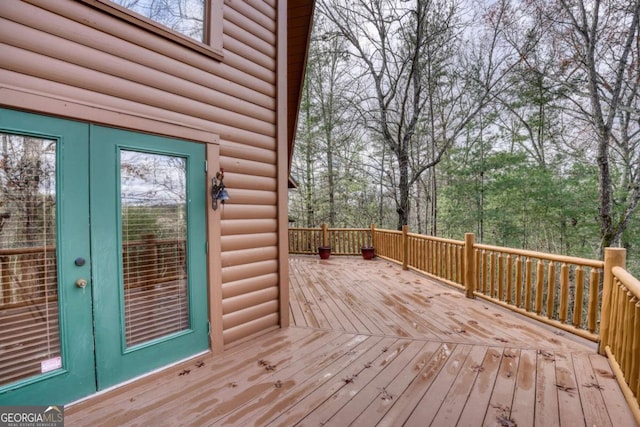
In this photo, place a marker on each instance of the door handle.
(81, 283)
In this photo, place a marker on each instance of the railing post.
(373, 235)
(469, 265)
(613, 257)
(405, 247)
(325, 238)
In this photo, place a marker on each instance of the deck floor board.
(373, 345)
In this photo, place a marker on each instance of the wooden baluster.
(629, 335)
(509, 298)
(500, 277)
(564, 293)
(485, 269)
(579, 297)
(405, 247)
(430, 258)
(528, 284)
(613, 318)
(621, 355)
(519, 282)
(450, 253)
(460, 272)
(551, 289)
(478, 266)
(539, 285)
(620, 315)
(478, 280)
(424, 245)
(492, 274)
(592, 313)
(373, 235)
(634, 384)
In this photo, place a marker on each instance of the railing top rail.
(380, 230)
(27, 250)
(543, 255)
(630, 282)
(155, 242)
(305, 228)
(348, 229)
(436, 239)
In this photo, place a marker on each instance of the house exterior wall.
(68, 59)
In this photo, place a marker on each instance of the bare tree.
(421, 91)
(601, 58)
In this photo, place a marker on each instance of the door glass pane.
(29, 333)
(154, 228)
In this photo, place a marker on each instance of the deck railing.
(343, 241)
(597, 300)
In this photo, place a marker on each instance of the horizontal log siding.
(49, 51)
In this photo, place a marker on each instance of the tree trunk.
(402, 207)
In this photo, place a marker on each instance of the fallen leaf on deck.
(385, 395)
(604, 373)
(504, 419)
(548, 356)
(278, 384)
(565, 388)
(199, 364)
(185, 372)
(349, 379)
(593, 385)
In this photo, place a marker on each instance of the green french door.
(102, 256)
(148, 248)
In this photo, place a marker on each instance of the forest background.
(518, 120)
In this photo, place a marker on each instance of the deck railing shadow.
(597, 300)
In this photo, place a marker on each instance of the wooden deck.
(371, 344)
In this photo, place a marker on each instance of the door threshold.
(136, 379)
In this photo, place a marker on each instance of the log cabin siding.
(72, 53)
(252, 284)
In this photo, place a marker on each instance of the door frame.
(78, 378)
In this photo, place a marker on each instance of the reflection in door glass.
(29, 336)
(154, 228)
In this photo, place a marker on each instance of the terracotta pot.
(368, 252)
(324, 252)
